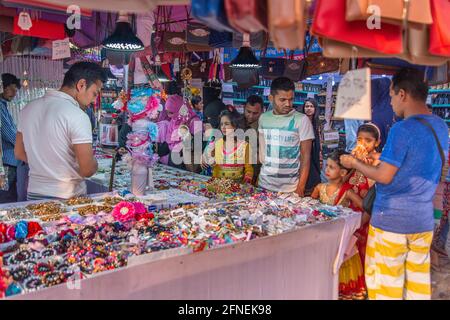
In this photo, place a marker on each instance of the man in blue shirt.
(8, 131)
(397, 262)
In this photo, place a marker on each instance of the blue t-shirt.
(405, 205)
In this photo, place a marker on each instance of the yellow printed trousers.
(397, 266)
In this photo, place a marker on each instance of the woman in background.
(311, 109)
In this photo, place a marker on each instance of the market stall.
(147, 230)
(236, 245)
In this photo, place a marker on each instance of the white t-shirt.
(283, 135)
(50, 127)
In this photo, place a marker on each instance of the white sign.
(266, 92)
(227, 87)
(228, 101)
(331, 136)
(354, 96)
(60, 49)
(331, 139)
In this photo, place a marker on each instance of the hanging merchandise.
(415, 42)
(337, 49)
(212, 13)
(295, 69)
(390, 11)
(197, 37)
(272, 68)
(329, 22)
(218, 39)
(417, 38)
(258, 40)
(174, 41)
(439, 30)
(153, 80)
(316, 63)
(439, 75)
(39, 73)
(24, 21)
(287, 23)
(247, 16)
(40, 29)
(354, 96)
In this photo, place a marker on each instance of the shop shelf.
(439, 91)
(264, 87)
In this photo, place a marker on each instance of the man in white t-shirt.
(285, 139)
(55, 135)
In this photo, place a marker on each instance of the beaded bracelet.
(20, 273)
(42, 268)
(33, 283)
(53, 278)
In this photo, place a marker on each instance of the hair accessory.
(376, 127)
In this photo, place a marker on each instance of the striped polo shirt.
(283, 135)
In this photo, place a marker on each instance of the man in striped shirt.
(8, 133)
(285, 138)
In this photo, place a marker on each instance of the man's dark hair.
(254, 99)
(173, 88)
(10, 79)
(89, 71)
(196, 100)
(336, 157)
(283, 84)
(411, 80)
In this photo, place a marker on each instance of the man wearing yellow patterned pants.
(397, 262)
(398, 265)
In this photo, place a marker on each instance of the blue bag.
(219, 39)
(212, 13)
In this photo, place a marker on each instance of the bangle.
(48, 252)
(53, 278)
(19, 274)
(42, 268)
(33, 283)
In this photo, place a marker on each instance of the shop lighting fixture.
(123, 38)
(245, 59)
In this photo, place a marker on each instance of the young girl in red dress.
(369, 139)
(338, 192)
